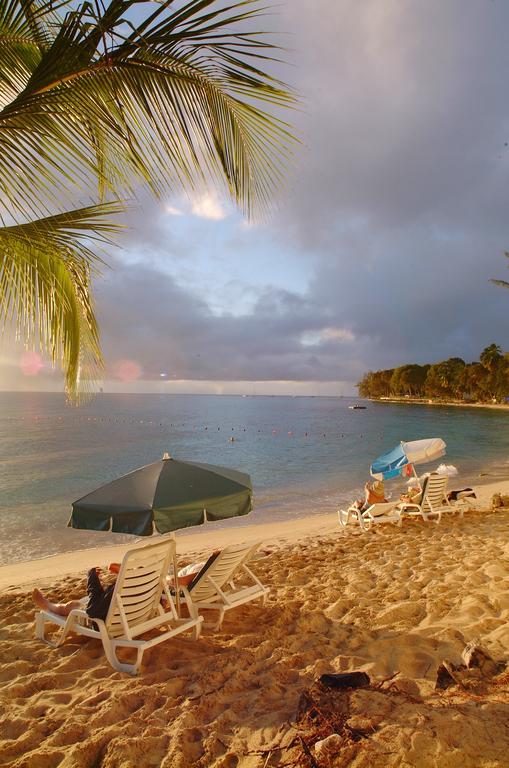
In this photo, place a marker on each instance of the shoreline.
(393, 603)
(424, 401)
(45, 570)
(24, 575)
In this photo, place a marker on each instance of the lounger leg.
(193, 611)
(110, 650)
(197, 630)
(40, 628)
(131, 669)
(220, 617)
(343, 517)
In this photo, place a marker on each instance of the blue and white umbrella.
(391, 463)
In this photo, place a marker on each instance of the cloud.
(395, 215)
(146, 317)
(393, 221)
(173, 211)
(204, 206)
(208, 207)
(324, 335)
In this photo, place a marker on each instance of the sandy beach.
(392, 602)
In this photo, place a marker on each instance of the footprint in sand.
(192, 745)
(69, 734)
(402, 612)
(93, 701)
(339, 608)
(12, 729)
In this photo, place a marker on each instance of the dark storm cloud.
(406, 107)
(145, 317)
(399, 201)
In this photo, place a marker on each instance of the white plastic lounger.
(434, 502)
(383, 512)
(213, 588)
(135, 609)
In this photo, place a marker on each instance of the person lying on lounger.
(412, 496)
(374, 493)
(99, 599)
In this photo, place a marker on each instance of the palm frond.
(503, 283)
(92, 100)
(170, 105)
(45, 272)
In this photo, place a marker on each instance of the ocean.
(305, 455)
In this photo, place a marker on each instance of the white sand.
(393, 600)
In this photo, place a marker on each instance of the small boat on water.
(357, 407)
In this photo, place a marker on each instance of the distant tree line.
(452, 379)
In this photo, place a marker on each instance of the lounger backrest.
(434, 492)
(137, 594)
(221, 570)
(203, 570)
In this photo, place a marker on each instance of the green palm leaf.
(173, 104)
(93, 102)
(45, 271)
(503, 283)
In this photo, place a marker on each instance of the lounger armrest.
(407, 505)
(76, 614)
(393, 513)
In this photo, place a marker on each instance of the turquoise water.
(305, 455)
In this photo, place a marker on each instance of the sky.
(381, 246)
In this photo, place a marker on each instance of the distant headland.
(450, 382)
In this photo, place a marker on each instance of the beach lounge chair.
(383, 512)
(135, 609)
(434, 502)
(214, 587)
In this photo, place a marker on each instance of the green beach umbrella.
(164, 496)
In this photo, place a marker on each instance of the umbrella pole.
(175, 576)
(416, 475)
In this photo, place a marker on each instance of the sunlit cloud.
(9, 360)
(208, 207)
(315, 338)
(173, 211)
(205, 205)
(248, 224)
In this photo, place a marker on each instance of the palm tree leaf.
(45, 272)
(503, 283)
(137, 111)
(93, 101)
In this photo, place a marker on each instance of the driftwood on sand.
(477, 665)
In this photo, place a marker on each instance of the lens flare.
(127, 370)
(31, 363)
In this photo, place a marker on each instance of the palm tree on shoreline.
(98, 99)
